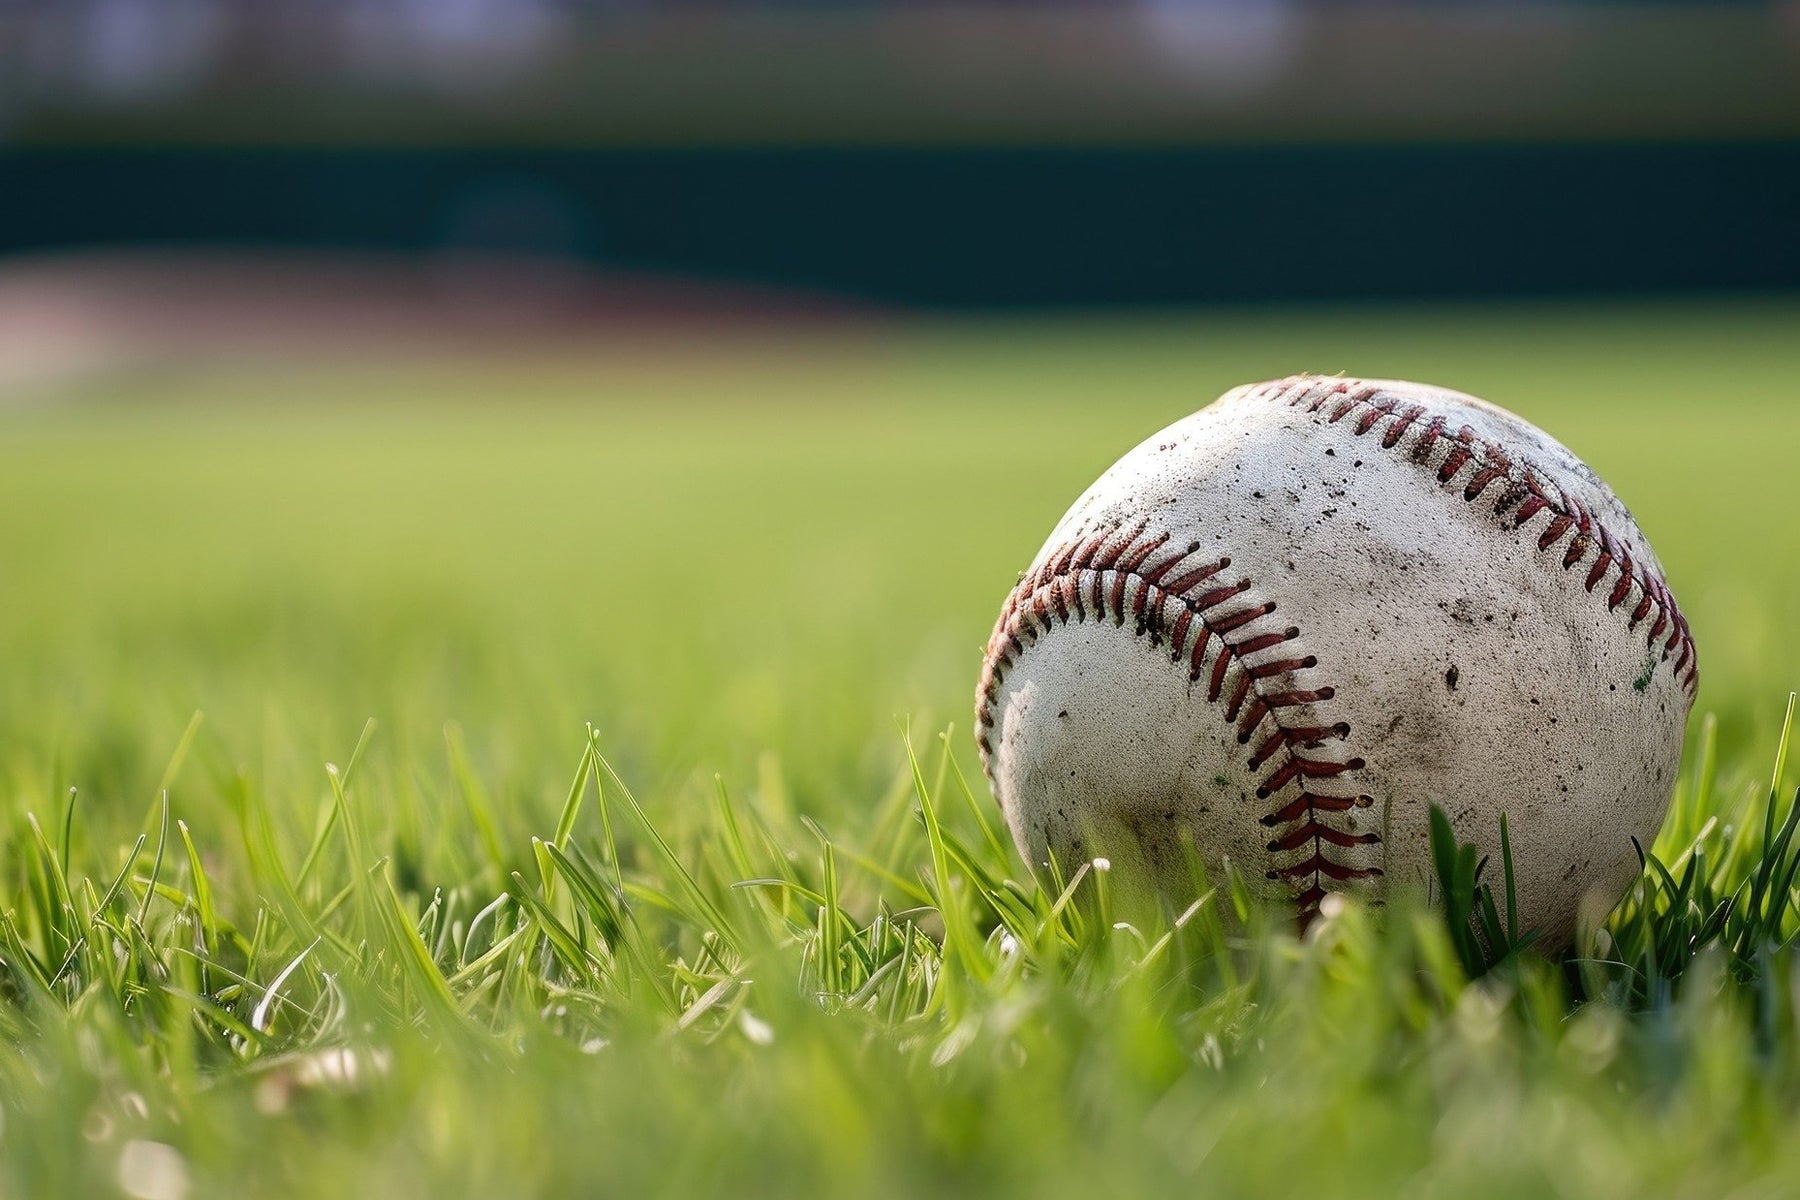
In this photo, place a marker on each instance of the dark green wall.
(983, 227)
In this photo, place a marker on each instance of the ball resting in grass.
(1277, 632)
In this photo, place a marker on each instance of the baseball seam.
(1524, 492)
(1172, 594)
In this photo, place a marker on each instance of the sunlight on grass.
(642, 865)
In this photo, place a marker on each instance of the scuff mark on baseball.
(1279, 630)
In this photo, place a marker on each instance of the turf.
(625, 880)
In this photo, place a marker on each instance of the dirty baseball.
(1276, 633)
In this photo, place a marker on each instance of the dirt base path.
(70, 316)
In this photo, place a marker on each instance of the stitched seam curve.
(1523, 492)
(1172, 596)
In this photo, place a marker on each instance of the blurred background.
(770, 157)
(367, 357)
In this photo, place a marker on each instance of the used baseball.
(1277, 632)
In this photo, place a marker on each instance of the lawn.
(593, 637)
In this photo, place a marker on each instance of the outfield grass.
(753, 564)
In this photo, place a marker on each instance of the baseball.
(1275, 633)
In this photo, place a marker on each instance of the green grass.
(624, 880)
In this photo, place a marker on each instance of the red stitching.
(1266, 640)
(1129, 563)
(1251, 718)
(1243, 617)
(1398, 429)
(1307, 802)
(1283, 758)
(1221, 665)
(1319, 864)
(1531, 492)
